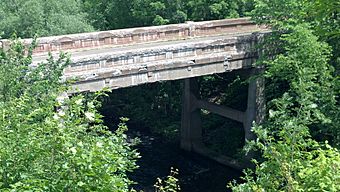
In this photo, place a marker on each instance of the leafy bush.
(51, 144)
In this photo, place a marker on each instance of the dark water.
(196, 173)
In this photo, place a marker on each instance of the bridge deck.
(128, 57)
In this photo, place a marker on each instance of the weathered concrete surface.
(191, 125)
(178, 60)
(129, 57)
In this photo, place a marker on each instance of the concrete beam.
(115, 79)
(221, 110)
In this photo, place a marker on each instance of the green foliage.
(322, 15)
(170, 184)
(109, 14)
(325, 18)
(29, 17)
(304, 111)
(307, 58)
(53, 144)
(158, 12)
(119, 13)
(315, 168)
(293, 161)
(150, 12)
(216, 9)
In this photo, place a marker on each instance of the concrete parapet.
(140, 35)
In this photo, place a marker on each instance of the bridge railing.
(139, 35)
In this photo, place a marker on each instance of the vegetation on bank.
(303, 109)
(48, 144)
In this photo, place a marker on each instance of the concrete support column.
(191, 129)
(255, 104)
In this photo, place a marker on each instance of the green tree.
(53, 144)
(29, 17)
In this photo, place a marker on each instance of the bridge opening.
(155, 112)
(222, 135)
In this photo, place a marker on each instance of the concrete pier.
(191, 128)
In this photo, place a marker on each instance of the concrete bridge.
(129, 57)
